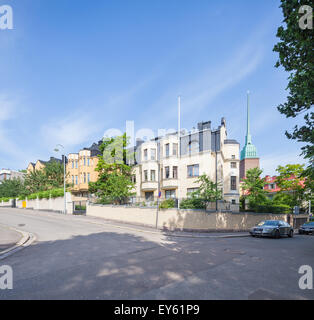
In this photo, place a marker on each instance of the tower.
(249, 158)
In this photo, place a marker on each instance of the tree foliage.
(114, 184)
(11, 188)
(291, 183)
(296, 55)
(253, 185)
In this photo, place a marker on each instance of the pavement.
(77, 257)
(8, 238)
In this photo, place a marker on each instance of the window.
(193, 171)
(84, 177)
(145, 155)
(170, 194)
(72, 179)
(194, 147)
(153, 154)
(145, 175)
(88, 177)
(149, 196)
(233, 201)
(152, 175)
(233, 165)
(233, 157)
(73, 164)
(167, 172)
(190, 191)
(76, 180)
(133, 178)
(76, 164)
(167, 150)
(88, 162)
(233, 183)
(84, 161)
(175, 149)
(175, 172)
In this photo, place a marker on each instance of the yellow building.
(40, 164)
(81, 169)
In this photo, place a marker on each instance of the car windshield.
(309, 224)
(268, 223)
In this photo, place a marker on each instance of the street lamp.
(57, 149)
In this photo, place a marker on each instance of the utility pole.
(216, 170)
(179, 147)
(64, 175)
(158, 175)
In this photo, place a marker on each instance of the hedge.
(5, 199)
(54, 193)
(168, 204)
(192, 203)
(273, 208)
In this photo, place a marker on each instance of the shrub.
(192, 203)
(168, 204)
(5, 199)
(273, 208)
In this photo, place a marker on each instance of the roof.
(231, 141)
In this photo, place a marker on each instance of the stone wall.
(172, 219)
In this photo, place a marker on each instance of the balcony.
(169, 184)
(149, 186)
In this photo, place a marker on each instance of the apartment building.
(169, 168)
(81, 169)
(7, 174)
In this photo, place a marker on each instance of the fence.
(168, 203)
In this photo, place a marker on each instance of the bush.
(5, 199)
(168, 204)
(192, 203)
(273, 208)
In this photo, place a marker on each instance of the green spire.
(249, 150)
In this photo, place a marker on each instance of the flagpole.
(179, 148)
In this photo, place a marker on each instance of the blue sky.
(72, 69)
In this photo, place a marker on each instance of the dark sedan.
(307, 228)
(272, 228)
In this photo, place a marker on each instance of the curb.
(26, 240)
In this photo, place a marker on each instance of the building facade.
(249, 158)
(40, 164)
(81, 169)
(170, 166)
(6, 174)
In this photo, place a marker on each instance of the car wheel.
(300, 232)
(290, 234)
(277, 234)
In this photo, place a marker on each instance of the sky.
(70, 70)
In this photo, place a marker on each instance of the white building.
(6, 174)
(160, 168)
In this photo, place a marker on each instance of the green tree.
(114, 184)
(296, 55)
(253, 185)
(35, 181)
(54, 172)
(208, 191)
(291, 182)
(11, 188)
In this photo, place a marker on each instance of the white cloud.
(70, 131)
(270, 162)
(7, 108)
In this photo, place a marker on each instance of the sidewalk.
(8, 238)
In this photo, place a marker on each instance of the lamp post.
(57, 149)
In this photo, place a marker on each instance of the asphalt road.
(84, 258)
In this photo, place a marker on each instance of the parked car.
(307, 228)
(272, 228)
